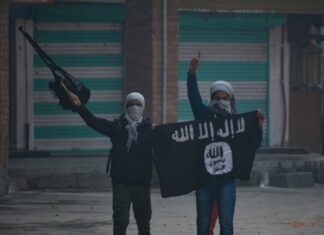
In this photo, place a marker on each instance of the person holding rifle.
(131, 160)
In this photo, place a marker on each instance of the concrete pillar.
(143, 55)
(4, 94)
(277, 118)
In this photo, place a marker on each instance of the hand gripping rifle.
(64, 81)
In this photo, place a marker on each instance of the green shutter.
(87, 41)
(234, 48)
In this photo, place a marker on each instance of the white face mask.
(220, 107)
(135, 112)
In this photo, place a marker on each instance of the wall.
(305, 122)
(143, 55)
(279, 69)
(305, 96)
(4, 93)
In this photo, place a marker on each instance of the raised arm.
(200, 111)
(101, 125)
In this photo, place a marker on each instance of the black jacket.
(133, 167)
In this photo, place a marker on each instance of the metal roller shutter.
(232, 49)
(92, 52)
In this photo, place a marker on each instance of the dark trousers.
(140, 198)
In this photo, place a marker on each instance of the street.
(266, 211)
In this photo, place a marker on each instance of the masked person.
(221, 189)
(131, 160)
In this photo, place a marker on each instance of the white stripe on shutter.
(82, 72)
(223, 51)
(96, 96)
(76, 143)
(250, 90)
(67, 119)
(82, 48)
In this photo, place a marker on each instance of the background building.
(269, 51)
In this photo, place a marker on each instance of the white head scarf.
(221, 86)
(134, 116)
(135, 96)
(216, 105)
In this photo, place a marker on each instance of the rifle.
(64, 81)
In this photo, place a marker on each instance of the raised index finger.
(199, 55)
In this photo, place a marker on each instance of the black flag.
(189, 154)
(63, 80)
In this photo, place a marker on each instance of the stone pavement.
(266, 211)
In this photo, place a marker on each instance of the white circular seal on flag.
(218, 158)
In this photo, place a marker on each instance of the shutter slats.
(92, 52)
(235, 54)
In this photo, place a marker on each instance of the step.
(292, 180)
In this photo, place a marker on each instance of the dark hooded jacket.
(133, 167)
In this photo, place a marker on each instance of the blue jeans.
(224, 192)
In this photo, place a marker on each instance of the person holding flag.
(221, 189)
(131, 160)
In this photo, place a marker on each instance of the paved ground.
(266, 211)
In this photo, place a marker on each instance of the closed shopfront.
(235, 48)
(87, 41)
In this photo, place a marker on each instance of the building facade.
(115, 47)
(4, 95)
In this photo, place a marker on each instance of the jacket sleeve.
(200, 111)
(101, 125)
